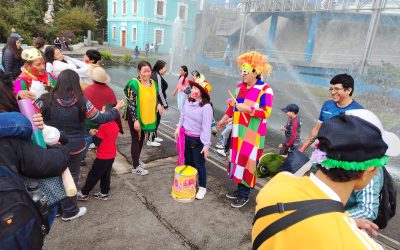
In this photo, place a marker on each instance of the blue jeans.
(194, 158)
(52, 214)
(244, 191)
(88, 140)
(181, 98)
(225, 133)
(15, 124)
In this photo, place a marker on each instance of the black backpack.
(387, 201)
(21, 223)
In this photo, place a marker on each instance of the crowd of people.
(72, 96)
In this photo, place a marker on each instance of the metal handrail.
(278, 56)
(300, 5)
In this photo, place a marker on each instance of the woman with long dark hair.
(12, 60)
(183, 83)
(141, 112)
(160, 68)
(57, 62)
(66, 109)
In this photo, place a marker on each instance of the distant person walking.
(156, 48)
(136, 54)
(147, 49)
(183, 83)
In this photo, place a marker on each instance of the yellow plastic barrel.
(184, 186)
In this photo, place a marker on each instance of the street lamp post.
(243, 25)
(203, 24)
(373, 26)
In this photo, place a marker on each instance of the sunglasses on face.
(245, 72)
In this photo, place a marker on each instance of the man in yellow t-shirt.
(352, 148)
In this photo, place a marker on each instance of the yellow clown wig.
(255, 60)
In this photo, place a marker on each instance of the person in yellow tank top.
(352, 148)
(141, 112)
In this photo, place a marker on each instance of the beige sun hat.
(98, 74)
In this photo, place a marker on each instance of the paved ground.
(116, 51)
(141, 214)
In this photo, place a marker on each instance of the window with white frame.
(182, 11)
(123, 7)
(135, 6)
(134, 34)
(160, 8)
(114, 32)
(114, 8)
(159, 36)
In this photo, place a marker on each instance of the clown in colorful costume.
(139, 99)
(250, 110)
(247, 142)
(24, 80)
(33, 70)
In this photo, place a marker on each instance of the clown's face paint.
(195, 93)
(248, 76)
(37, 68)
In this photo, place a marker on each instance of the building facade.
(134, 23)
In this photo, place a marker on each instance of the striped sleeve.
(367, 202)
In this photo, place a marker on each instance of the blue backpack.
(21, 223)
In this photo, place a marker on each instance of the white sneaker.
(201, 192)
(221, 152)
(81, 212)
(220, 146)
(153, 143)
(140, 171)
(158, 139)
(142, 164)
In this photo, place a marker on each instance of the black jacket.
(12, 65)
(32, 160)
(162, 88)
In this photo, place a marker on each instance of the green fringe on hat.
(354, 165)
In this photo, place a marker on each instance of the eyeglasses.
(335, 89)
(245, 72)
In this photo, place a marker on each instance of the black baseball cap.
(291, 108)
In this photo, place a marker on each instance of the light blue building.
(133, 23)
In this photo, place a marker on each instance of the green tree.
(26, 16)
(77, 20)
